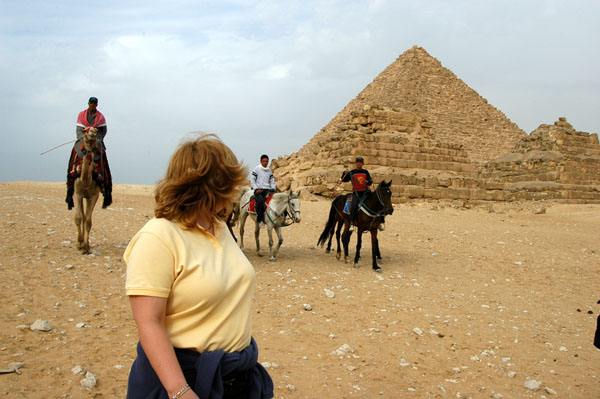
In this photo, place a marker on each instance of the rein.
(284, 213)
(369, 212)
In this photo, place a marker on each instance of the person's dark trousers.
(107, 181)
(259, 205)
(357, 196)
(70, 192)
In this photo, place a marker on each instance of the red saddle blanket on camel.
(252, 203)
(76, 160)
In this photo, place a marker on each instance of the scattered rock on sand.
(40, 325)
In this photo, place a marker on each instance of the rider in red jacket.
(361, 180)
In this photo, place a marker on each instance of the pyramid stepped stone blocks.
(435, 138)
(396, 146)
(418, 83)
(554, 162)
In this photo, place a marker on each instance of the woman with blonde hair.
(190, 286)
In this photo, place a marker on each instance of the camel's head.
(89, 139)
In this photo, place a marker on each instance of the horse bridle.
(289, 209)
(374, 214)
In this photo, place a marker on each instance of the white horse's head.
(294, 205)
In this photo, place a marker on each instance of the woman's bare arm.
(149, 314)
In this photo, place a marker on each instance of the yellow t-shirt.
(207, 280)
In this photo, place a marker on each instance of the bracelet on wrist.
(180, 393)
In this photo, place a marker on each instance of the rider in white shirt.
(263, 183)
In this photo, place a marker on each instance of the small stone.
(497, 396)
(418, 331)
(539, 210)
(343, 350)
(533, 385)
(77, 370)
(307, 307)
(550, 391)
(511, 374)
(329, 293)
(80, 325)
(16, 366)
(291, 388)
(40, 325)
(89, 381)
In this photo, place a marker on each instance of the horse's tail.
(329, 226)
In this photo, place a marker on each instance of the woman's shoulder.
(160, 227)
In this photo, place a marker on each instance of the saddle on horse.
(252, 203)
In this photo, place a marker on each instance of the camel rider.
(87, 118)
(263, 183)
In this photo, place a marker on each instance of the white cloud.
(266, 76)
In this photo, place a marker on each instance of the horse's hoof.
(355, 266)
(338, 255)
(327, 251)
(272, 259)
(259, 254)
(378, 269)
(380, 261)
(346, 260)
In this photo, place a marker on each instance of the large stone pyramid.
(436, 138)
(415, 99)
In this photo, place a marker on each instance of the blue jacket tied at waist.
(204, 373)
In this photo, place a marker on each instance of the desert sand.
(479, 301)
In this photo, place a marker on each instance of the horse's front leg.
(375, 250)
(275, 251)
(345, 242)
(358, 245)
(378, 252)
(338, 254)
(256, 236)
(242, 224)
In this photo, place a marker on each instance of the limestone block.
(432, 193)
(415, 191)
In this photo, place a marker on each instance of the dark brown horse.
(372, 209)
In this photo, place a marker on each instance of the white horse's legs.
(270, 232)
(275, 250)
(243, 216)
(256, 237)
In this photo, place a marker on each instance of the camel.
(86, 187)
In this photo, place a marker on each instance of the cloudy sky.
(266, 76)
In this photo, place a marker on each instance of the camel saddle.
(77, 155)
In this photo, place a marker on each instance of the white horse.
(281, 206)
